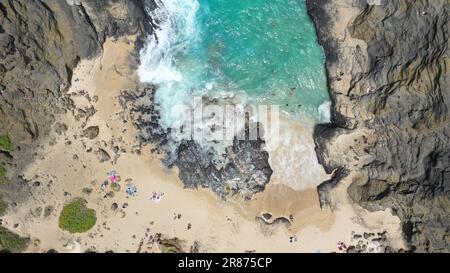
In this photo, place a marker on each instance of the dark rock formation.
(398, 88)
(37, 56)
(40, 44)
(243, 169)
(324, 188)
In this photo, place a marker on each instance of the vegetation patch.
(3, 206)
(5, 144)
(9, 241)
(76, 217)
(3, 176)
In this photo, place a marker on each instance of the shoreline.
(145, 226)
(379, 77)
(70, 117)
(327, 36)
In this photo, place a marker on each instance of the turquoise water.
(265, 49)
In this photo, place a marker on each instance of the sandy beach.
(72, 165)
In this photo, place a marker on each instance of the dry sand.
(69, 163)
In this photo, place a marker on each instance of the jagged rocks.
(37, 58)
(40, 44)
(325, 188)
(370, 190)
(243, 169)
(388, 75)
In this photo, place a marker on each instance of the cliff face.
(389, 81)
(40, 43)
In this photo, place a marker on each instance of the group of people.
(131, 189)
(293, 239)
(341, 246)
(112, 176)
(157, 196)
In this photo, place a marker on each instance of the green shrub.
(3, 206)
(76, 217)
(3, 177)
(12, 242)
(5, 144)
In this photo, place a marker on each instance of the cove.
(264, 50)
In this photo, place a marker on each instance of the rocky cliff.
(388, 72)
(40, 44)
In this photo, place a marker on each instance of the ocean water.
(265, 51)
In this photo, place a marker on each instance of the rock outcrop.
(243, 169)
(40, 44)
(388, 71)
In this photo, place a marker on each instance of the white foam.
(325, 112)
(179, 78)
(291, 152)
(293, 158)
(175, 32)
(175, 22)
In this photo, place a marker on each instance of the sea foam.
(238, 53)
(175, 29)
